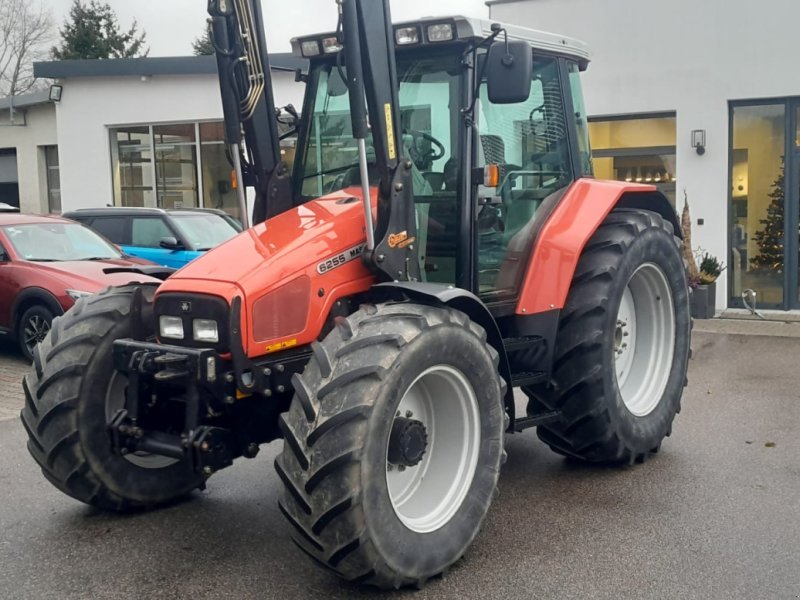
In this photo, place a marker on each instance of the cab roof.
(472, 28)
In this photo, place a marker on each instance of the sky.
(171, 25)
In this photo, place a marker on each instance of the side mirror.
(509, 66)
(170, 243)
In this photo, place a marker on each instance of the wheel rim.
(35, 330)
(644, 339)
(115, 400)
(427, 495)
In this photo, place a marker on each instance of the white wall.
(39, 130)
(688, 56)
(91, 105)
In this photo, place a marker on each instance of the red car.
(46, 263)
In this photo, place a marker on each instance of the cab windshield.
(429, 92)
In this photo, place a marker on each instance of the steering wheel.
(423, 158)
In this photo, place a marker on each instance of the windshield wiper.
(97, 258)
(43, 259)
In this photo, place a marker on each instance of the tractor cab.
(482, 171)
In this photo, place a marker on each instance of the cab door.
(530, 144)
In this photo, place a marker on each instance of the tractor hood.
(288, 271)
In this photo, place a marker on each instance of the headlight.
(170, 327)
(204, 330)
(442, 32)
(309, 48)
(406, 35)
(75, 294)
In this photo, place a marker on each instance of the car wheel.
(32, 328)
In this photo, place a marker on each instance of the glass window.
(132, 166)
(218, 191)
(581, 118)
(529, 143)
(148, 231)
(49, 242)
(758, 202)
(112, 228)
(203, 231)
(53, 179)
(176, 165)
(428, 93)
(640, 149)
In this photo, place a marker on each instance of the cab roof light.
(440, 32)
(331, 45)
(309, 48)
(405, 36)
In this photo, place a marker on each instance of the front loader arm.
(237, 31)
(368, 40)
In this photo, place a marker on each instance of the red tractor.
(439, 243)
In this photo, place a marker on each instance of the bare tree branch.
(26, 29)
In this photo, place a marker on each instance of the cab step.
(536, 420)
(528, 378)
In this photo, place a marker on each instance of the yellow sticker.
(240, 395)
(281, 345)
(387, 109)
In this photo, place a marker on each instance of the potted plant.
(704, 294)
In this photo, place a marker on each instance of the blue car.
(169, 237)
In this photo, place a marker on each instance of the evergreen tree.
(770, 239)
(202, 44)
(92, 31)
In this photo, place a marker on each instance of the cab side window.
(528, 141)
(148, 231)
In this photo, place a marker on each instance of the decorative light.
(699, 141)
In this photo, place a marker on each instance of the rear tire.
(352, 509)
(622, 348)
(66, 410)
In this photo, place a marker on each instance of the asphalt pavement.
(715, 515)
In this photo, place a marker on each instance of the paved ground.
(715, 515)
(12, 368)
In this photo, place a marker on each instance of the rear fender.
(558, 247)
(436, 294)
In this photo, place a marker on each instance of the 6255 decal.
(340, 259)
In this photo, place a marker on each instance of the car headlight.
(170, 327)
(75, 294)
(204, 330)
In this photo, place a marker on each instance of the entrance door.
(764, 203)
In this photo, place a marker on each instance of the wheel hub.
(407, 442)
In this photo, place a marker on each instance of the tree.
(92, 31)
(770, 238)
(202, 44)
(26, 27)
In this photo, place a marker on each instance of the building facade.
(720, 72)
(29, 171)
(148, 131)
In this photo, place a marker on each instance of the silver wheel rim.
(426, 496)
(644, 339)
(35, 330)
(115, 400)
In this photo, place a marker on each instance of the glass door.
(757, 261)
(792, 225)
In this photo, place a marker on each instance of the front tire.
(393, 444)
(69, 395)
(622, 347)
